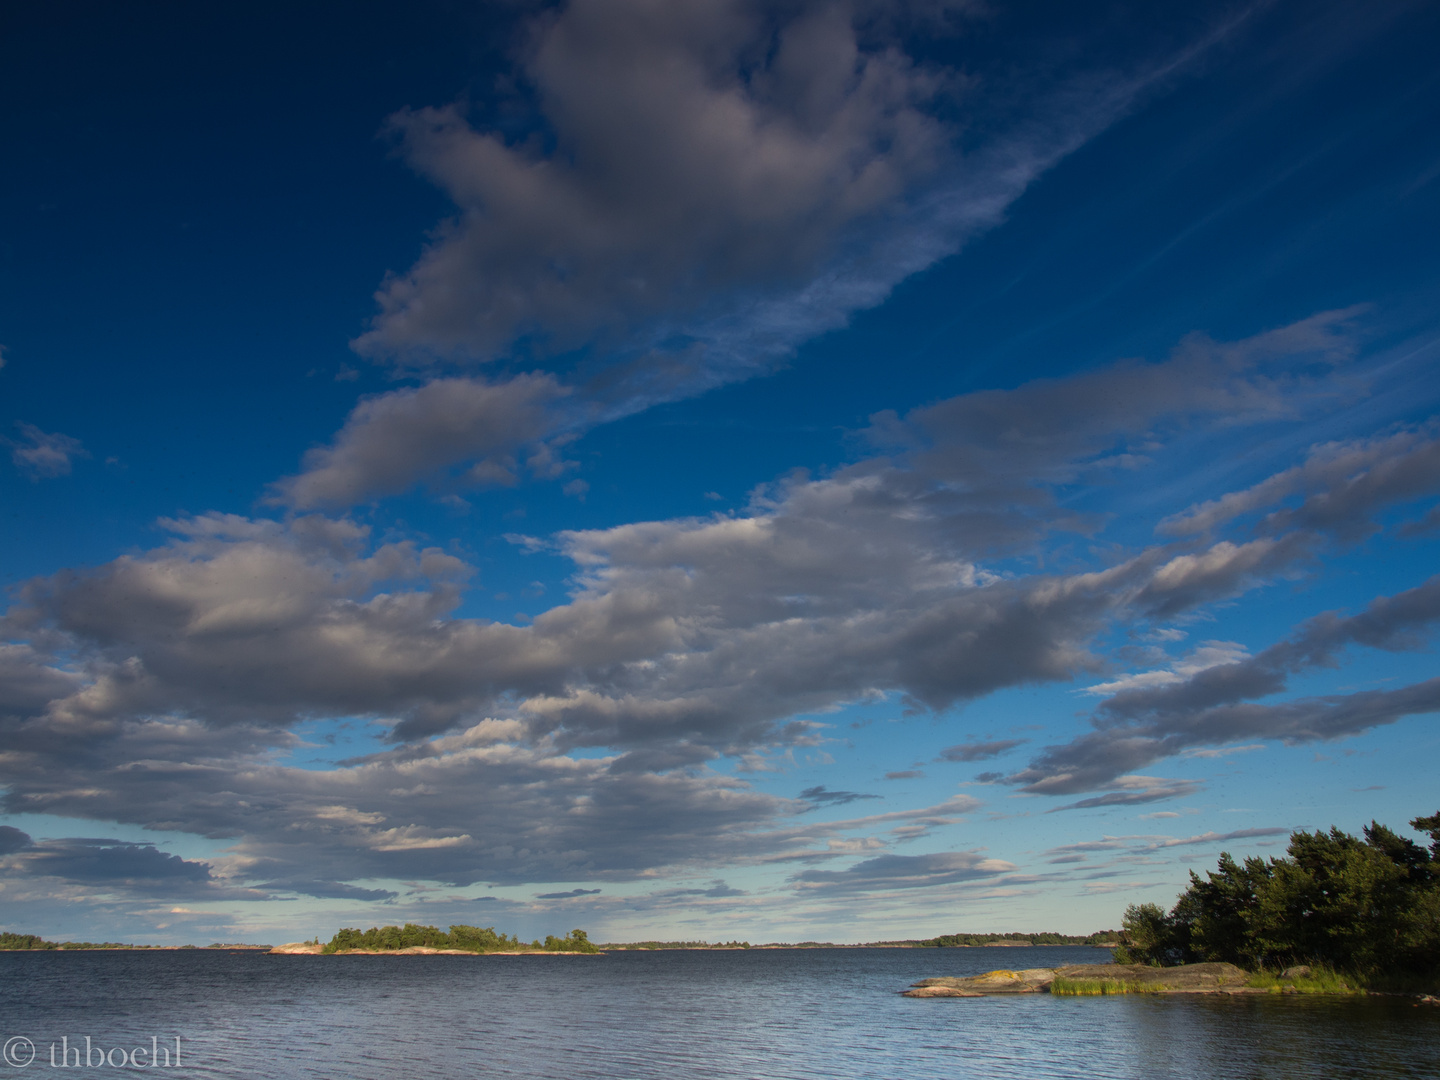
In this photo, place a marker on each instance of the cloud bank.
(165, 689)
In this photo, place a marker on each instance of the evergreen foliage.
(11, 942)
(1369, 907)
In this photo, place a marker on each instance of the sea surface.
(770, 1014)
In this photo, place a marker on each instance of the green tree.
(1430, 825)
(1367, 906)
(1214, 916)
(1149, 936)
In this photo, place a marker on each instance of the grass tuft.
(1321, 980)
(1093, 987)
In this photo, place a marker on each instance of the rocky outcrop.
(412, 950)
(1093, 979)
(1028, 981)
(297, 948)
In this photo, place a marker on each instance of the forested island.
(1365, 910)
(459, 939)
(1337, 914)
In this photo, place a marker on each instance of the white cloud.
(393, 440)
(1208, 655)
(1342, 484)
(43, 455)
(697, 147)
(158, 688)
(885, 873)
(714, 184)
(1218, 704)
(1224, 751)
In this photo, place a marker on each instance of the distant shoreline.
(66, 947)
(617, 947)
(294, 949)
(301, 948)
(957, 941)
(305, 948)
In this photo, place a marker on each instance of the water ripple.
(757, 1015)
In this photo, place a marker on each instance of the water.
(773, 1014)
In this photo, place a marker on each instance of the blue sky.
(707, 470)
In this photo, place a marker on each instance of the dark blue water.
(673, 1015)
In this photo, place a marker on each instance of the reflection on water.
(769, 1014)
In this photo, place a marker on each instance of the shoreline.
(147, 948)
(1087, 980)
(300, 948)
(303, 948)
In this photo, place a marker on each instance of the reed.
(1094, 987)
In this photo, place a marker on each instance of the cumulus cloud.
(392, 440)
(1131, 791)
(696, 147)
(1055, 429)
(889, 872)
(820, 796)
(161, 688)
(706, 162)
(1214, 706)
(529, 814)
(328, 890)
(1224, 569)
(1224, 751)
(1393, 623)
(1001, 454)
(1340, 487)
(682, 639)
(1209, 654)
(979, 751)
(29, 678)
(114, 866)
(44, 455)
(243, 621)
(708, 186)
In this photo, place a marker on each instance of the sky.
(707, 469)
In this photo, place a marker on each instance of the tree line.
(660, 945)
(956, 940)
(1367, 906)
(476, 939)
(12, 942)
